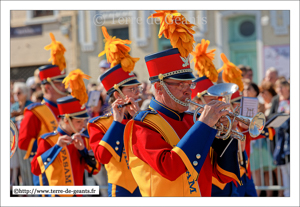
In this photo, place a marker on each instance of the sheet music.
(278, 121)
(249, 106)
(93, 98)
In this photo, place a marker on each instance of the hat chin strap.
(172, 96)
(58, 91)
(70, 122)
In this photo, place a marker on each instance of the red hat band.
(169, 63)
(202, 84)
(236, 97)
(51, 71)
(71, 106)
(116, 77)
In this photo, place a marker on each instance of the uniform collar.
(166, 110)
(50, 102)
(61, 131)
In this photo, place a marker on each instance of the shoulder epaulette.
(45, 136)
(93, 120)
(33, 105)
(139, 116)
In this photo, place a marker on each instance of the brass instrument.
(255, 124)
(14, 134)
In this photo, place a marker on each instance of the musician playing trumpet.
(170, 155)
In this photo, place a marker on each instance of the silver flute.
(126, 104)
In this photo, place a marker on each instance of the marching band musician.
(200, 96)
(248, 187)
(41, 118)
(106, 132)
(169, 154)
(62, 155)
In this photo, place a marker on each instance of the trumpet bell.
(222, 89)
(257, 124)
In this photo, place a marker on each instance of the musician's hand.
(133, 107)
(212, 112)
(78, 141)
(64, 140)
(118, 113)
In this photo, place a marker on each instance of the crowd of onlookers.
(273, 94)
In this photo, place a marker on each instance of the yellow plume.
(203, 61)
(231, 73)
(57, 53)
(75, 80)
(117, 52)
(175, 27)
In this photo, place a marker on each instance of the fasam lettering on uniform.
(126, 158)
(53, 125)
(66, 165)
(191, 183)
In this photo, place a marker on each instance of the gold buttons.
(195, 163)
(267, 134)
(45, 163)
(116, 148)
(48, 159)
(198, 156)
(117, 142)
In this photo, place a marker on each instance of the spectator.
(247, 72)
(281, 153)
(22, 98)
(267, 92)
(259, 148)
(104, 65)
(271, 75)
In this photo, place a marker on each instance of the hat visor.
(183, 76)
(81, 116)
(129, 83)
(53, 79)
(132, 82)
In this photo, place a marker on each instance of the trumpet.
(255, 124)
(219, 126)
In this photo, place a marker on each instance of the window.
(42, 13)
(247, 28)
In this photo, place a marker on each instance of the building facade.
(29, 34)
(259, 39)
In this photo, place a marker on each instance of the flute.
(126, 104)
(82, 130)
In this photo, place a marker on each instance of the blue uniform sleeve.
(49, 156)
(113, 140)
(228, 164)
(194, 146)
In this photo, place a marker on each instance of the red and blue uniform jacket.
(192, 157)
(39, 118)
(106, 140)
(61, 166)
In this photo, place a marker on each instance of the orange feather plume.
(231, 73)
(175, 27)
(76, 83)
(57, 53)
(203, 61)
(117, 52)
